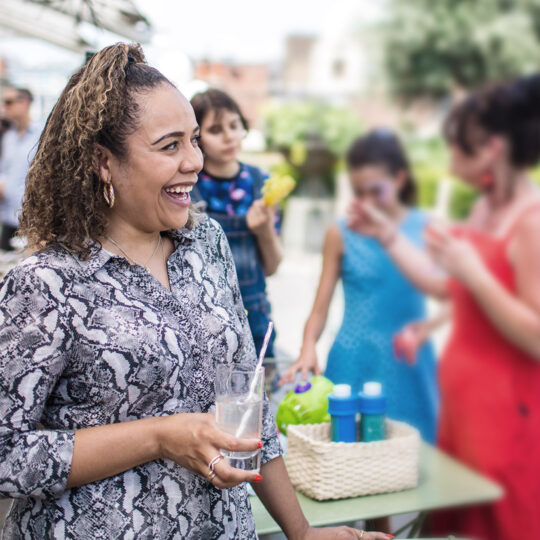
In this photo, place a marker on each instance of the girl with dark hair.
(490, 371)
(378, 298)
(230, 192)
(110, 333)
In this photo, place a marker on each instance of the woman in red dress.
(490, 371)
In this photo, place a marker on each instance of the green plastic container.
(306, 404)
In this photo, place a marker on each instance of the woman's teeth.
(179, 189)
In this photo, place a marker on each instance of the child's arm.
(331, 270)
(414, 263)
(260, 220)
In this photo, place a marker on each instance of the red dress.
(490, 410)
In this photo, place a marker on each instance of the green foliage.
(429, 159)
(427, 181)
(291, 125)
(283, 168)
(535, 175)
(312, 136)
(429, 163)
(461, 200)
(433, 47)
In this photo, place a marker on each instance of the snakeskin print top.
(99, 341)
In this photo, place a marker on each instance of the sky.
(246, 29)
(238, 30)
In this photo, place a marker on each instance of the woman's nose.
(192, 161)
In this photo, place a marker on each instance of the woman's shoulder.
(526, 224)
(42, 271)
(206, 229)
(51, 258)
(210, 242)
(338, 228)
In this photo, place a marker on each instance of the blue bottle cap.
(340, 406)
(370, 404)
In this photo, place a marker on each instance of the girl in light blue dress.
(379, 300)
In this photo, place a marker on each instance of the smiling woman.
(110, 333)
(152, 185)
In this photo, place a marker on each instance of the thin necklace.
(131, 260)
(166, 266)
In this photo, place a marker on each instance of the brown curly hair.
(63, 202)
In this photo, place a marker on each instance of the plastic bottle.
(307, 404)
(372, 407)
(342, 406)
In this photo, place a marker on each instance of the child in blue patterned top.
(230, 192)
(379, 300)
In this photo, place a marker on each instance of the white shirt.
(17, 153)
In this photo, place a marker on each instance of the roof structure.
(59, 21)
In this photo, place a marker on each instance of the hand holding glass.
(239, 399)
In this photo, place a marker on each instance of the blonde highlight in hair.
(63, 202)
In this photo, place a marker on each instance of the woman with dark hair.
(379, 300)
(111, 332)
(490, 371)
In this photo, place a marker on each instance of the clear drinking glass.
(239, 399)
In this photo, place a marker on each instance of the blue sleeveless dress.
(379, 301)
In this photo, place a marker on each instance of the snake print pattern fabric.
(99, 341)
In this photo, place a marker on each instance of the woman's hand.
(344, 533)
(260, 218)
(192, 440)
(365, 218)
(410, 339)
(307, 361)
(454, 255)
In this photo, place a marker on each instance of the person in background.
(379, 300)
(19, 144)
(490, 371)
(110, 333)
(230, 192)
(5, 124)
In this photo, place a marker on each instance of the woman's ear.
(103, 158)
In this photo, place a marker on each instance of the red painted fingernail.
(258, 478)
(260, 444)
(389, 536)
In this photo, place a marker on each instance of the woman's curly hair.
(63, 202)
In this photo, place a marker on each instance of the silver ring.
(362, 534)
(214, 461)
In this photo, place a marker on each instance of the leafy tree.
(433, 47)
(312, 136)
(288, 124)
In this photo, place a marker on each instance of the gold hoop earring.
(108, 194)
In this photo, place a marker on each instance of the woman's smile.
(179, 194)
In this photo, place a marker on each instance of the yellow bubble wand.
(276, 188)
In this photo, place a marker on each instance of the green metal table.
(443, 483)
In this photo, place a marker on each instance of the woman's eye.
(196, 140)
(215, 130)
(171, 146)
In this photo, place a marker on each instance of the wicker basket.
(323, 470)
